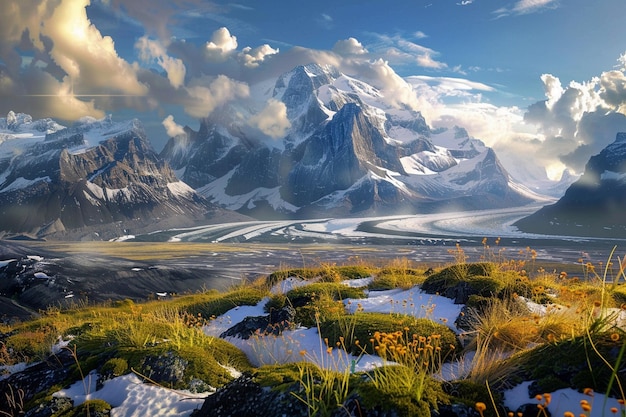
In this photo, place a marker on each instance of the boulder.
(273, 323)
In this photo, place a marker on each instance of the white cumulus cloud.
(222, 43)
(350, 46)
(75, 70)
(172, 128)
(272, 120)
(153, 50)
(204, 96)
(253, 57)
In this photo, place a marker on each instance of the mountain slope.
(595, 205)
(347, 152)
(97, 179)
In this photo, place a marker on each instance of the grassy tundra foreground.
(560, 328)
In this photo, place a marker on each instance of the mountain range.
(347, 152)
(96, 180)
(344, 149)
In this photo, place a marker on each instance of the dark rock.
(35, 379)
(455, 410)
(246, 398)
(273, 323)
(168, 368)
(467, 319)
(56, 406)
(461, 292)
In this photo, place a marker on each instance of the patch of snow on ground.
(130, 397)
(412, 302)
(358, 282)
(562, 400)
(123, 238)
(289, 284)
(233, 316)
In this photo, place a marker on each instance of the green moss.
(208, 365)
(221, 303)
(303, 273)
(363, 326)
(479, 302)
(30, 345)
(115, 367)
(574, 363)
(90, 408)
(486, 286)
(551, 383)
(469, 393)
(400, 398)
(618, 293)
(390, 278)
(353, 272)
(205, 360)
(315, 302)
(449, 277)
(521, 286)
(336, 291)
(326, 273)
(279, 377)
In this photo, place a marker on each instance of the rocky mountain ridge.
(98, 179)
(347, 152)
(594, 205)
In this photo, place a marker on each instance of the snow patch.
(130, 397)
(21, 183)
(180, 189)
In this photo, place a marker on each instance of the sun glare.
(554, 171)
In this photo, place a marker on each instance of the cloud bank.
(578, 120)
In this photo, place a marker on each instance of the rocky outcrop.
(38, 378)
(273, 323)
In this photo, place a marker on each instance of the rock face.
(595, 205)
(347, 151)
(98, 177)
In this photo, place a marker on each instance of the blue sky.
(540, 78)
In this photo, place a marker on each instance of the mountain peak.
(349, 150)
(23, 123)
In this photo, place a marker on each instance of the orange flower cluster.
(420, 353)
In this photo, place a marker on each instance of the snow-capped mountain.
(347, 151)
(594, 205)
(98, 177)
